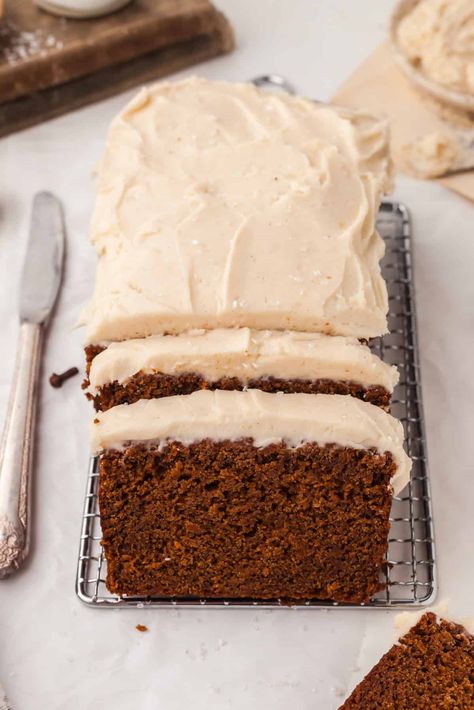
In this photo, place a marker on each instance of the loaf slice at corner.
(248, 495)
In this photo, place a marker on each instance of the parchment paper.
(379, 86)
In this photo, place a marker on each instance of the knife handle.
(16, 450)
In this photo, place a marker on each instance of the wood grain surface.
(51, 65)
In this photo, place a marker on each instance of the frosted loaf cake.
(220, 205)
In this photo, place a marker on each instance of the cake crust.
(227, 519)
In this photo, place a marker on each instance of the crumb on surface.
(142, 628)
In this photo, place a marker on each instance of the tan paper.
(379, 86)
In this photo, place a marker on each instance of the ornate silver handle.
(16, 451)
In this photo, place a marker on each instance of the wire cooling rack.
(409, 573)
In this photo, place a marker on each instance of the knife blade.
(42, 268)
(40, 283)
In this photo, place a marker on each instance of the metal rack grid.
(409, 574)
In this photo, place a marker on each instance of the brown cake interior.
(150, 386)
(227, 519)
(431, 667)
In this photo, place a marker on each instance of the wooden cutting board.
(51, 65)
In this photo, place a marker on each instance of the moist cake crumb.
(432, 666)
(227, 519)
(151, 386)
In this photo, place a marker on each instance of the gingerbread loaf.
(244, 445)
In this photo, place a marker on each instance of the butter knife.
(40, 281)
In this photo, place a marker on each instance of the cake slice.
(222, 205)
(237, 359)
(432, 666)
(247, 494)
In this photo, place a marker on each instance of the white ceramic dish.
(437, 91)
(81, 8)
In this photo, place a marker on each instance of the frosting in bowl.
(437, 36)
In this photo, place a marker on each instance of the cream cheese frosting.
(265, 418)
(437, 36)
(246, 354)
(222, 205)
(431, 155)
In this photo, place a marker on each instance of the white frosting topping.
(266, 418)
(221, 205)
(431, 155)
(246, 354)
(437, 36)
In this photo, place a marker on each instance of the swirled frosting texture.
(246, 354)
(266, 418)
(220, 205)
(438, 37)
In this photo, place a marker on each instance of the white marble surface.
(56, 653)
